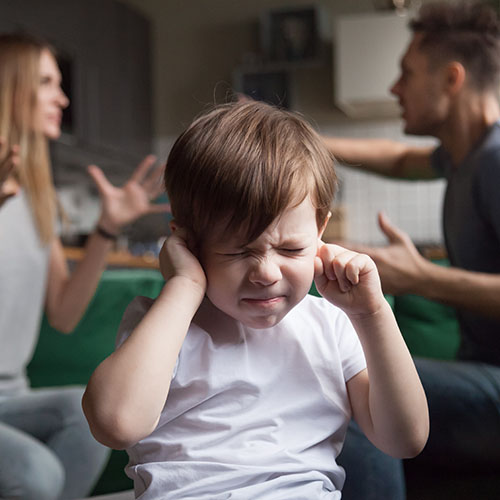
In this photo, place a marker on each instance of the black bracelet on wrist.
(105, 234)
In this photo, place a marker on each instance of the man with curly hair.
(448, 89)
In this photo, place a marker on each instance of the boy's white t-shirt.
(251, 414)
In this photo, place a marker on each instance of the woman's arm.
(69, 294)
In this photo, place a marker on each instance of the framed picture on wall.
(290, 35)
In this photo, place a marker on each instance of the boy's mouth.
(264, 301)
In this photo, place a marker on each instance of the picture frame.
(290, 35)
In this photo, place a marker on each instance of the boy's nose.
(265, 272)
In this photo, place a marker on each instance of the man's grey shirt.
(471, 224)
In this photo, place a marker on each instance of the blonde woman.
(47, 450)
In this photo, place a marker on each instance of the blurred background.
(138, 71)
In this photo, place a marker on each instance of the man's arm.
(404, 270)
(383, 157)
(478, 292)
(401, 274)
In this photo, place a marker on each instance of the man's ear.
(455, 77)
(173, 225)
(322, 228)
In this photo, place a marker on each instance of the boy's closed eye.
(240, 253)
(292, 250)
(248, 252)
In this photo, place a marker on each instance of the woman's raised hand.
(123, 205)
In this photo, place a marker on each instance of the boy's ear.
(188, 237)
(322, 228)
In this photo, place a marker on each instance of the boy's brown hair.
(243, 164)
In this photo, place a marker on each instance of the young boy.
(234, 382)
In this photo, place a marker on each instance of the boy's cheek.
(306, 268)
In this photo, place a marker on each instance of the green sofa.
(430, 329)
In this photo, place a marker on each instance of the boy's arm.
(126, 393)
(387, 399)
(383, 157)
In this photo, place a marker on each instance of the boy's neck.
(222, 328)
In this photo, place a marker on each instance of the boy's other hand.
(176, 260)
(348, 279)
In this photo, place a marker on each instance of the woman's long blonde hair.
(19, 81)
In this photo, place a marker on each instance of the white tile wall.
(414, 206)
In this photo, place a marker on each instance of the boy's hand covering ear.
(176, 260)
(348, 280)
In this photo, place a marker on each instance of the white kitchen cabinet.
(367, 51)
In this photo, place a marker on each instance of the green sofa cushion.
(94, 337)
(429, 328)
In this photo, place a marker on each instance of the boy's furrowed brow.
(234, 242)
(292, 241)
(229, 244)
